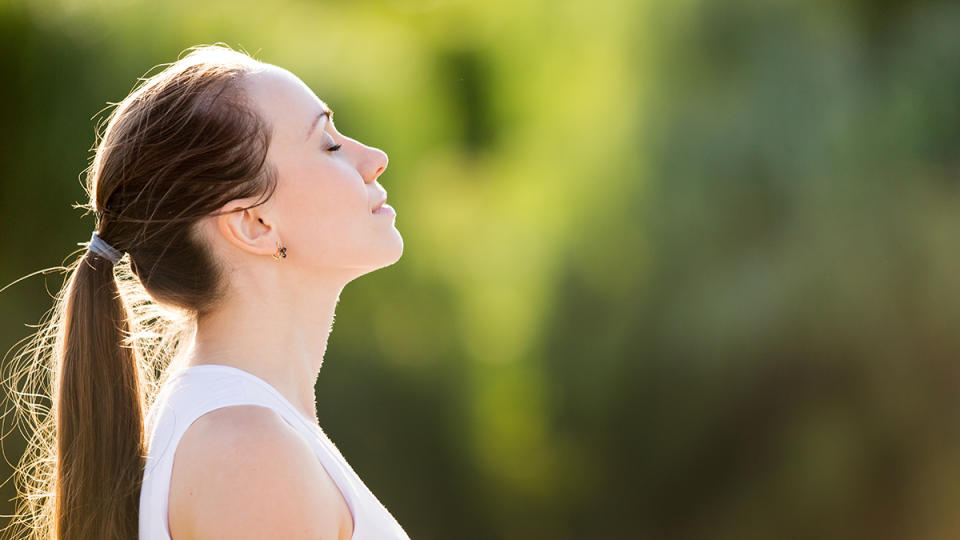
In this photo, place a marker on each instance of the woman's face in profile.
(326, 187)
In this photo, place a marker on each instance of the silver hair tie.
(101, 247)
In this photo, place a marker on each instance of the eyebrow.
(326, 112)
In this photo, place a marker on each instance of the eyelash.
(334, 148)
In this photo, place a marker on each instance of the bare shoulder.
(242, 472)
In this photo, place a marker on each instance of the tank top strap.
(219, 385)
(197, 390)
(184, 399)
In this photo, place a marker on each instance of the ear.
(247, 228)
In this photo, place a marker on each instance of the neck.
(277, 333)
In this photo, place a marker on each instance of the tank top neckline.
(260, 382)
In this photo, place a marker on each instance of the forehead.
(285, 101)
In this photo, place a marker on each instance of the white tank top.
(200, 389)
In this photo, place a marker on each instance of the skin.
(275, 323)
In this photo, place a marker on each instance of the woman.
(244, 213)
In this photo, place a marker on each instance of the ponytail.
(98, 406)
(79, 388)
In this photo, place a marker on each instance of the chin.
(394, 252)
(387, 254)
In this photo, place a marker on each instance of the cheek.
(322, 208)
(307, 189)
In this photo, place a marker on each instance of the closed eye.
(334, 148)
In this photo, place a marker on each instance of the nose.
(374, 163)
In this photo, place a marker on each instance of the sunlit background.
(672, 269)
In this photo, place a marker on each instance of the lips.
(379, 204)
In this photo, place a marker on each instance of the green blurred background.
(673, 269)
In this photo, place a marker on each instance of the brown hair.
(180, 146)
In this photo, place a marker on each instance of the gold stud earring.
(281, 252)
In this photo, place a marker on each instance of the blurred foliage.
(672, 269)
